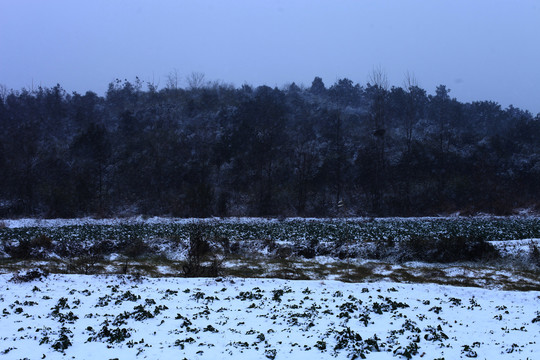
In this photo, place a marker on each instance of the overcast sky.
(480, 49)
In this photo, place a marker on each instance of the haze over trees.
(212, 149)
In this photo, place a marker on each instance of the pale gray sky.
(480, 49)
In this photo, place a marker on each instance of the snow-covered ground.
(90, 317)
(36, 222)
(33, 222)
(515, 247)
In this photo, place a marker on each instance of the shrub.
(86, 264)
(63, 341)
(307, 252)
(534, 255)
(198, 242)
(446, 248)
(29, 275)
(35, 248)
(103, 247)
(270, 353)
(20, 251)
(225, 243)
(116, 335)
(88, 258)
(136, 248)
(198, 248)
(197, 269)
(42, 241)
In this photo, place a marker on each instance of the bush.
(446, 248)
(63, 341)
(87, 259)
(20, 251)
(42, 241)
(116, 335)
(85, 264)
(534, 256)
(225, 244)
(35, 248)
(198, 243)
(198, 248)
(29, 275)
(136, 248)
(308, 248)
(306, 252)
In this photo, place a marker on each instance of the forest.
(213, 149)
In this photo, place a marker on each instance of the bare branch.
(379, 78)
(410, 80)
(172, 80)
(195, 80)
(4, 92)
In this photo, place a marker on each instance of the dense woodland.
(212, 149)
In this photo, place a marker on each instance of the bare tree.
(172, 80)
(4, 92)
(378, 78)
(412, 108)
(195, 80)
(378, 82)
(410, 85)
(410, 80)
(152, 85)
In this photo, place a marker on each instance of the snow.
(34, 222)
(235, 318)
(515, 247)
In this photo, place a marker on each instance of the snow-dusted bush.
(447, 248)
(29, 275)
(199, 249)
(37, 247)
(534, 255)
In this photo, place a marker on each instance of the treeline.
(212, 149)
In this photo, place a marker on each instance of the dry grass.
(369, 271)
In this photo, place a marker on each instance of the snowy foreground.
(106, 317)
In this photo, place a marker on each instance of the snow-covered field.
(105, 317)
(394, 309)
